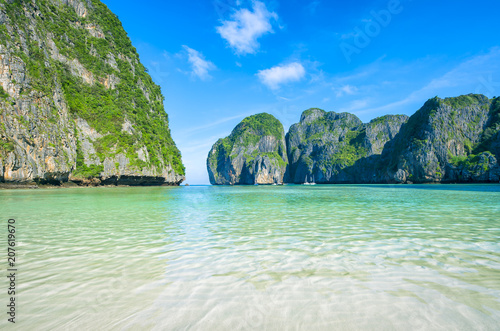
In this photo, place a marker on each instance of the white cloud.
(246, 26)
(278, 75)
(465, 78)
(345, 90)
(312, 7)
(355, 106)
(199, 65)
(469, 73)
(216, 123)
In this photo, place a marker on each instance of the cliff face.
(254, 153)
(76, 104)
(328, 147)
(449, 140)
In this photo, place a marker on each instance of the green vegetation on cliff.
(4, 95)
(254, 152)
(82, 50)
(262, 124)
(311, 111)
(249, 131)
(352, 150)
(446, 140)
(492, 130)
(464, 100)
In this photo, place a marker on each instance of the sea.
(293, 257)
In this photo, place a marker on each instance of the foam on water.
(346, 257)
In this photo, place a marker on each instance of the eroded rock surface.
(75, 102)
(254, 153)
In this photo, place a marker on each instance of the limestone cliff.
(449, 140)
(254, 153)
(329, 147)
(76, 104)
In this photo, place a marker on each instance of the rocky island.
(76, 104)
(254, 153)
(448, 140)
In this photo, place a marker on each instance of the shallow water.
(343, 257)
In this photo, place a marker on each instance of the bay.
(343, 257)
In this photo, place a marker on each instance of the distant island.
(452, 140)
(77, 106)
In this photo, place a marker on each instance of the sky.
(218, 61)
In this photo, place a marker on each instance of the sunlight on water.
(345, 257)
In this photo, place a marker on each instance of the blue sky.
(219, 61)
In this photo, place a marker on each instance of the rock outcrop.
(254, 153)
(449, 140)
(452, 140)
(76, 104)
(328, 147)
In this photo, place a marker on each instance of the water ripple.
(345, 257)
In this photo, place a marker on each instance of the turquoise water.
(344, 257)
